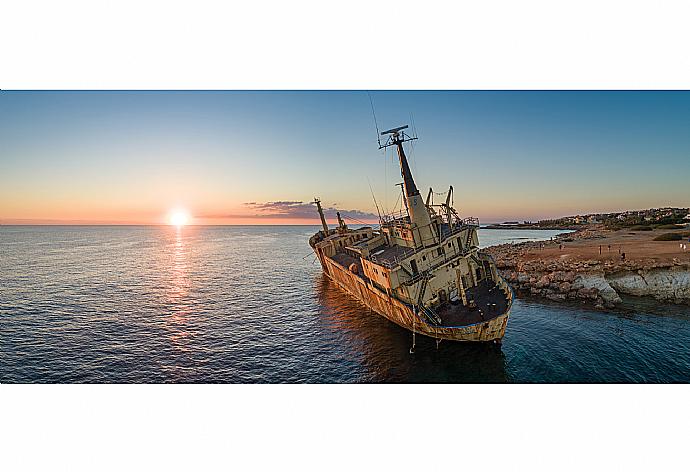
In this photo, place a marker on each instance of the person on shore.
(622, 256)
(600, 249)
(609, 248)
(560, 247)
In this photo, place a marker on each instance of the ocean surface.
(249, 304)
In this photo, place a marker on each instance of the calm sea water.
(243, 304)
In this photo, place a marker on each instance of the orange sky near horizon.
(112, 216)
(240, 216)
(115, 203)
(260, 157)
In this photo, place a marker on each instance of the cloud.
(292, 209)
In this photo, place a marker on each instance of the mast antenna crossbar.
(396, 136)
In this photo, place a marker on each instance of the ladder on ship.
(468, 239)
(428, 312)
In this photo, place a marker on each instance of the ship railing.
(415, 278)
(396, 216)
(395, 221)
(430, 314)
(486, 256)
(426, 314)
(462, 225)
(397, 260)
(470, 221)
(391, 263)
(421, 276)
(455, 230)
(505, 286)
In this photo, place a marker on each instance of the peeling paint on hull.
(402, 314)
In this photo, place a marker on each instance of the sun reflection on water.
(179, 289)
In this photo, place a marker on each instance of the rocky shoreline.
(533, 227)
(589, 266)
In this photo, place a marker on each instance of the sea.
(249, 304)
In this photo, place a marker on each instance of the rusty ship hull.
(405, 316)
(422, 268)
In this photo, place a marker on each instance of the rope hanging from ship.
(414, 319)
(402, 278)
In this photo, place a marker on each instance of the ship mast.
(323, 218)
(419, 214)
(342, 227)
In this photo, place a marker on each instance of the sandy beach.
(599, 244)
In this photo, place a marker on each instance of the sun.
(178, 217)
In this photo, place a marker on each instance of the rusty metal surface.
(492, 302)
(402, 314)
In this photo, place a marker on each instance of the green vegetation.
(669, 227)
(672, 236)
(634, 220)
(644, 220)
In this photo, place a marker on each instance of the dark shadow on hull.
(384, 347)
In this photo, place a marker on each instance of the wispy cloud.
(290, 209)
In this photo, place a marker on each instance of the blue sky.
(131, 156)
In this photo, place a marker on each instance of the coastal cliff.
(596, 266)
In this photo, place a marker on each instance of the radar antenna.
(397, 136)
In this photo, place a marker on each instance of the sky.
(258, 157)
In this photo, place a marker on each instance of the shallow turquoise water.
(243, 304)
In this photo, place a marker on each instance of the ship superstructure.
(422, 268)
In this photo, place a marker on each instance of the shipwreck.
(422, 268)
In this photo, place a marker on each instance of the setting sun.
(178, 217)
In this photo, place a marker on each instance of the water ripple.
(240, 304)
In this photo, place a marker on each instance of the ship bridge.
(423, 269)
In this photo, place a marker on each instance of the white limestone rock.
(596, 280)
(668, 284)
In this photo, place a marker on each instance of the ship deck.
(391, 254)
(490, 301)
(346, 260)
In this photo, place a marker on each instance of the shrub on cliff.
(669, 227)
(669, 237)
(672, 236)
